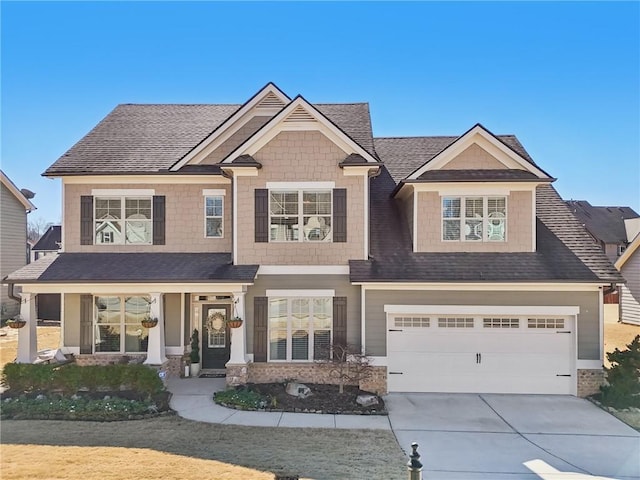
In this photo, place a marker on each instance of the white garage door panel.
(481, 360)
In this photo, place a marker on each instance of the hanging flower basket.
(149, 322)
(235, 322)
(16, 323)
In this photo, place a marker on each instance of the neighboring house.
(605, 224)
(629, 266)
(48, 304)
(15, 204)
(49, 243)
(451, 261)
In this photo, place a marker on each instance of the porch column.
(156, 345)
(238, 335)
(28, 335)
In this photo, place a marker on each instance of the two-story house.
(451, 261)
(15, 205)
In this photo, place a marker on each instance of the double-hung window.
(213, 216)
(117, 324)
(474, 219)
(119, 220)
(300, 328)
(300, 215)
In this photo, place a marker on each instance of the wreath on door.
(215, 321)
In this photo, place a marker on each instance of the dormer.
(476, 195)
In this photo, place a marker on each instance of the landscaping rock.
(299, 390)
(367, 400)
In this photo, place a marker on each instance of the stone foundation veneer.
(589, 382)
(174, 366)
(301, 372)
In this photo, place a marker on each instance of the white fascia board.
(6, 181)
(131, 288)
(231, 125)
(626, 255)
(144, 179)
(470, 287)
(301, 293)
(300, 185)
(276, 125)
(488, 142)
(303, 270)
(241, 171)
(358, 170)
(122, 192)
(482, 309)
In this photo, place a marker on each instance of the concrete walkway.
(192, 398)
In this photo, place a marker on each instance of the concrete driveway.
(471, 436)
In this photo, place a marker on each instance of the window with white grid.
(455, 322)
(411, 321)
(545, 323)
(501, 323)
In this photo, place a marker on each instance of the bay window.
(474, 219)
(299, 328)
(117, 324)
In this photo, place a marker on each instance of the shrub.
(241, 398)
(69, 379)
(623, 378)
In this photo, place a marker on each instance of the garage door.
(480, 354)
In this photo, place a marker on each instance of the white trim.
(212, 192)
(278, 124)
(300, 185)
(241, 171)
(173, 350)
(363, 322)
(63, 220)
(379, 361)
(144, 179)
(234, 234)
(484, 139)
(233, 124)
(490, 189)
(460, 286)
(131, 288)
(300, 293)
(26, 203)
(588, 364)
(357, 170)
(482, 310)
(415, 220)
(601, 324)
(365, 228)
(626, 255)
(123, 192)
(534, 233)
(62, 313)
(303, 270)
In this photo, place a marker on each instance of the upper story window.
(474, 219)
(213, 216)
(300, 215)
(120, 220)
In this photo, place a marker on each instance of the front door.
(216, 341)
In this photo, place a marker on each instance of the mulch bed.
(325, 399)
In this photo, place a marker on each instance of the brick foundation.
(589, 382)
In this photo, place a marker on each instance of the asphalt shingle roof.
(136, 267)
(604, 223)
(50, 240)
(477, 176)
(151, 138)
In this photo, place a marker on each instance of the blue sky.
(563, 77)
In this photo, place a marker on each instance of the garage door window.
(455, 322)
(545, 323)
(411, 321)
(500, 323)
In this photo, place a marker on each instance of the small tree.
(195, 347)
(347, 363)
(623, 378)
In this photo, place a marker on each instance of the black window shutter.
(262, 215)
(340, 321)
(260, 318)
(339, 214)
(86, 324)
(86, 220)
(158, 220)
